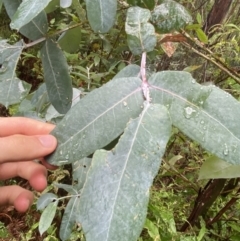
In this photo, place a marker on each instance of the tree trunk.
(217, 14)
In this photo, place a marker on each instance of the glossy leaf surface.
(170, 16)
(26, 12)
(114, 199)
(97, 119)
(56, 76)
(101, 14)
(206, 114)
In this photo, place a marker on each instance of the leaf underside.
(113, 203)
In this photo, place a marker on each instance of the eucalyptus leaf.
(12, 89)
(140, 34)
(101, 14)
(214, 168)
(47, 217)
(206, 114)
(80, 169)
(45, 199)
(56, 76)
(97, 119)
(33, 30)
(70, 40)
(26, 12)
(69, 218)
(170, 16)
(113, 204)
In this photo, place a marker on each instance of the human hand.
(21, 141)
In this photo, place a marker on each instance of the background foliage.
(181, 207)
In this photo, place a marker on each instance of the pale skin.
(23, 140)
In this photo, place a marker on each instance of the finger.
(34, 172)
(19, 147)
(25, 126)
(17, 196)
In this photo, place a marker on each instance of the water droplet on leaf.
(189, 112)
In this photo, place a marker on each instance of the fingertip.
(23, 202)
(38, 180)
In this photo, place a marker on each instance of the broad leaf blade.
(97, 119)
(69, 218)
(26, 12)
(36, 28)
(45, 200)
(80, 169)
(170, 16)
(206, 114)
(141, 34)
(70, 40)
(131, 70)
(56, 76)
(114, 199)
(47, 217)
(101, 14)
(12, 89)
(214, 167)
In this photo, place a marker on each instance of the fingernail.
(47, 140)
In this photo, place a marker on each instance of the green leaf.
(45, 200)
(202, 36)
(26, 12)
(12, 89)
(206, 114)
(52, 6)
(70, 40)
(1, 5)
(113, 204)
(97, 119)
(69, 218)
(56, 76)
(170, 16)
(47, 217)
(80, 169)
(215, 167)
(131, 70)
(140, 34)
(36, 28)
(152, 230)
(150, 4)
(101, 14)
